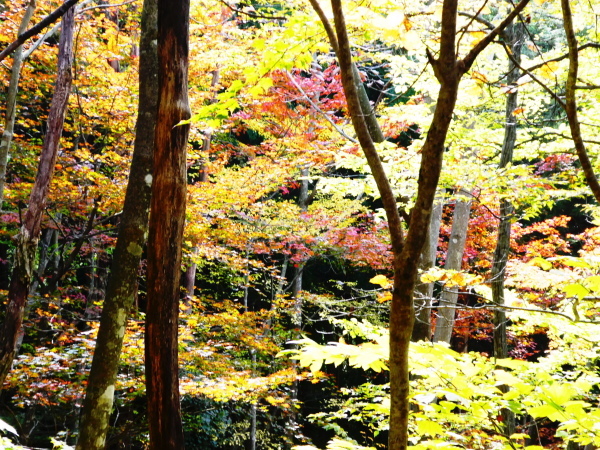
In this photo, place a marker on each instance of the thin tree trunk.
(11, 102)
(122, 284)
(456, 249)
(190, 272)
(368, 112)
(514, 35)
(424, 291)
(27, 239)
(167, 219)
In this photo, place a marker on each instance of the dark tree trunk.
(167, 218)
(122, 284)
(27, 239)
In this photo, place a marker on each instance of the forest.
(300, 224)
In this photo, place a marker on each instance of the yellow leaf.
(384, 297)
(548, 70)
(381, 280)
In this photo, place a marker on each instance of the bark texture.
(456, 249)
(167, 219)
(11, 101)
(27, 239)
(122, 285)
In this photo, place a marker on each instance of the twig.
(314, 105)
(50, 18)
(106, 6)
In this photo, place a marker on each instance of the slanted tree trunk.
(570, 103)
(424, 291)
(11, 101)
(456, 249)
(406, 251)
(27, 239)
(122, 284)
(167, 219)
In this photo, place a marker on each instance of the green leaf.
(575, 290)
(429, 427)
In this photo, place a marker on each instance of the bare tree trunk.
(11, 101)
(167, 219)
(456, 249)
(424, 291)
(27, 239)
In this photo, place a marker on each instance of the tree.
(27, 239)
(448, 70)
(167, 219)
(122, 285)
(11, 101)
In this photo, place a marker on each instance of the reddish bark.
(167, 218)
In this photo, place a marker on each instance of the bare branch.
(106, 6)
(50, 18)
(468, 60)
(250, 13)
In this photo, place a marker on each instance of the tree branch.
(571, 102)
(469, 59)
(50, 18)
(316, 108)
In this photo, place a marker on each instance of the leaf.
(575, 290)
(381, 280)
(548, 70)
(429, 427)
(506, 378)
(593, 283)
(541, 263)
(545, 410)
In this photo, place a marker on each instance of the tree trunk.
(122, 284)
(27, 239)
(11, 101)
(167, 219)
(424, 291)
(514, 35)
(570, 103)
(456, 249)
